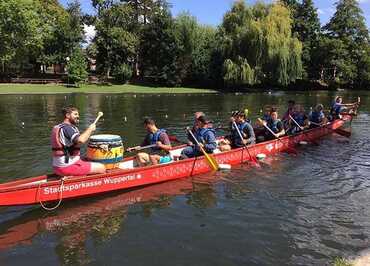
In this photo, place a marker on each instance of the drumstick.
(100, 114)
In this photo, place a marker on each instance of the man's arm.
(282, 130)
(248, 130)
(164, 142)
(210, 138)
(84, 137)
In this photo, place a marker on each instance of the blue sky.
(212, 11)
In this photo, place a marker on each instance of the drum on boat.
(106, 149)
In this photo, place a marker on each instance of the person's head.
(319, 107)
(267, 109)
(234, 114)
(338, 99)
(70, 113)
(149, 125)
(202, 121)
(296, 108)
(240, 117)
(291, 103)
(198, 114)
(274, 114)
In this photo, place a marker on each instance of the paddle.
(245, 145)
(301, 128)
(339, 131)
(272, 132)
(139, 148)
(100, 114)
(210, 159)
(343, 132)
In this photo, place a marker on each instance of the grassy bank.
(54, 89)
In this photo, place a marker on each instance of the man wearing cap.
(245, 129)
(195, 126)
(206, 137)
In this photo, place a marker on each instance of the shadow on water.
(294, 210)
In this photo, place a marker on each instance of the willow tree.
(257, 45)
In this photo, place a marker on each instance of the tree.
(159, 49)
(77, 66)
(116, 42)
(257, 45)
(19, 30)
(348, 27)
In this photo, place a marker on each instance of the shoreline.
(50, 89)
(14, 89)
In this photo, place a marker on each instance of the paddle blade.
(343, 132)
(210, 160)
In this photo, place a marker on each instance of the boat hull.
(42, 189)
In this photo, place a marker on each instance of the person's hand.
(190, 143)
(159, 144)
(133, 148)
(201, 145)
(245, 142)
(92, 127)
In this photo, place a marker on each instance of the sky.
(211, 11)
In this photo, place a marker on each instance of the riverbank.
(8, 88)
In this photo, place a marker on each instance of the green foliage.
(195, 48)
(122, 73)
(238, 73)
(116, 42)
(341, 262)
(159, 49)
(77, 65)
(257, 45)
(348, 43)
(19, 30)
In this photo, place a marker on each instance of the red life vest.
(58, 148)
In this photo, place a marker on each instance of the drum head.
(105, 138)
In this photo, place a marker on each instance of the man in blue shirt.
(206, 137)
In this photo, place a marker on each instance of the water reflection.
(101, 218)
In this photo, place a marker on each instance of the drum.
(106, 149)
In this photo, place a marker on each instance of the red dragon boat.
(47, 188)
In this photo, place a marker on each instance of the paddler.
(195, 126)
(65, 142)
(338, 107)
(155, 136)
(267, 113)
(317, 117)
(286, 118)
(300, 122)
(245, 129)
(206, 137)
(275, 125)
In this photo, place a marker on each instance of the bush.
(122, 73)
